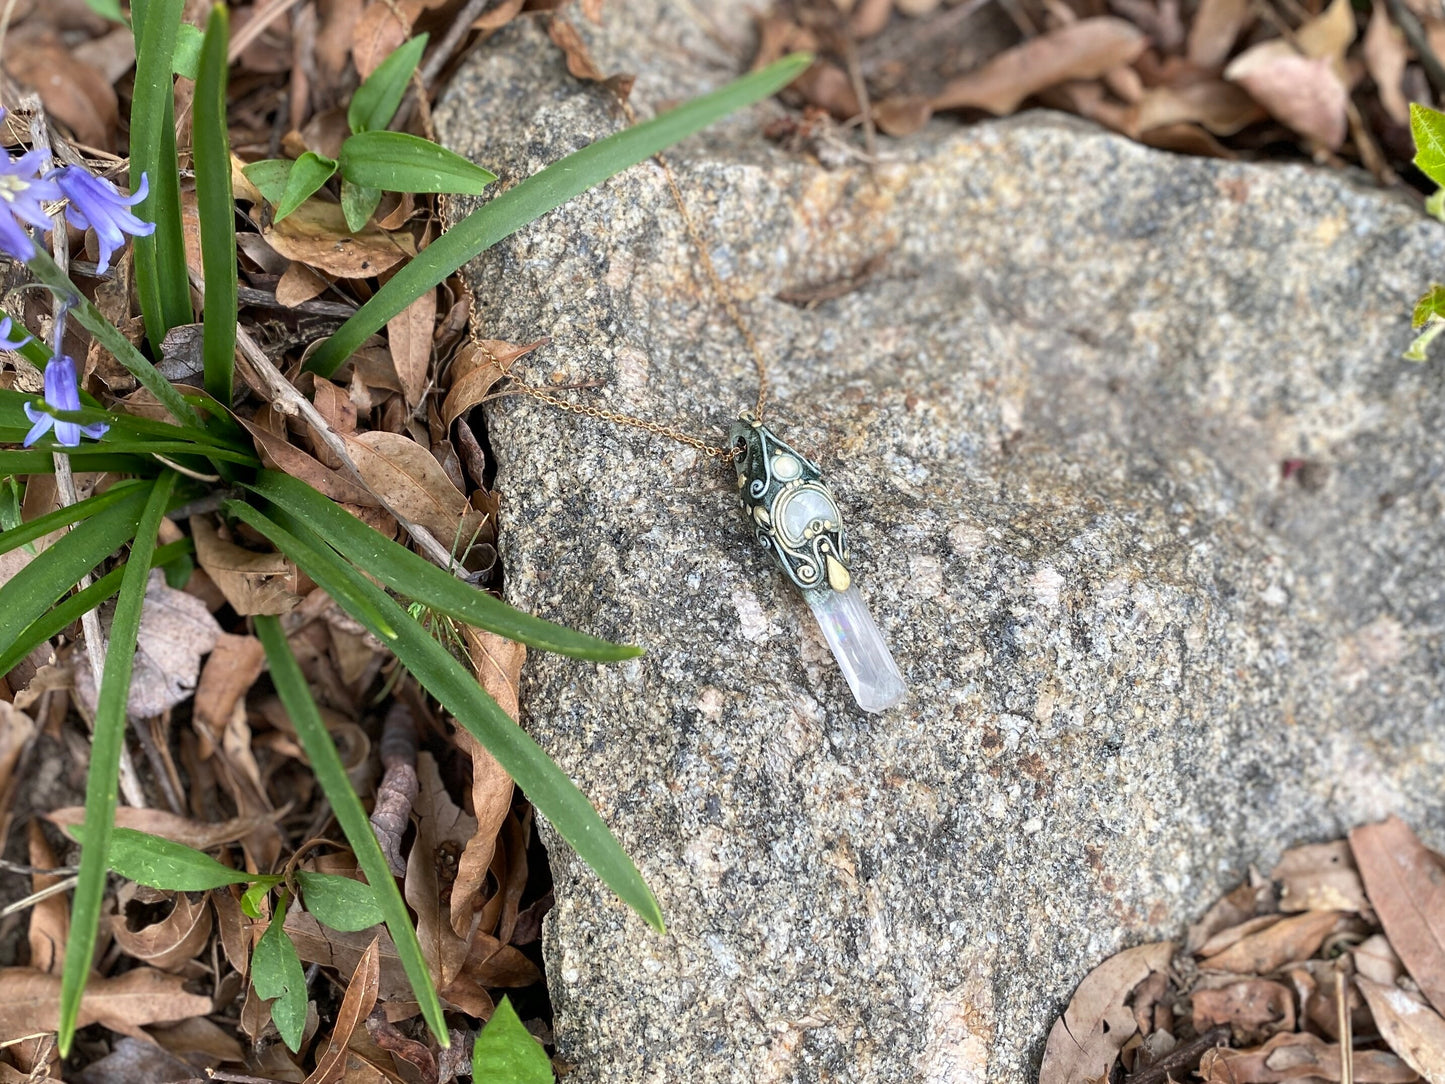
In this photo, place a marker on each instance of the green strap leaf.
(539, 194)
(507, 1051)
(277, 976)
(77, 605)
(216, 209)
(308, 173)
(417, 578)
(58, 568)
(399, 162)
(331, 774)
(340, 902)
(162, 281)
(63, 517)
(109, 737)
(376, 100)
(554, 795)
(164, 863)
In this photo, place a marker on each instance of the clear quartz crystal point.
(862, 654)
(795, 517)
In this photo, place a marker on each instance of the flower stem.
(44, 268)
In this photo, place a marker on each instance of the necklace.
(791, 509)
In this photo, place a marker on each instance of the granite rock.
(1139, 490)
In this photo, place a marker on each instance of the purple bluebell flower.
(97, 204)
(21, 190)
(6, 342)
(62, 392)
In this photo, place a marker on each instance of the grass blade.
(63, 517)
(39, 462)
(58, 568)
(539, 194)
(318, 553)
(53, 621)
(554, 795)
(33, 351)
(101, 782)
(331, 774)
(418, 579)
(108, 335)
(216, 208)
(160, 259)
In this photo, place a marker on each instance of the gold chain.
(726, 454)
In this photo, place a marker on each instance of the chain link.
(614, 417)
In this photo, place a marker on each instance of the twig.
(1183, 1057)
(256, 26)
(860, 89)
(291, 401)
(461, 25)
(35, 897)
(1347, 1033)
(1415, 34)
(64, 480)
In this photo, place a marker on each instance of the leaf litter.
(1326, 970)
(221, 769)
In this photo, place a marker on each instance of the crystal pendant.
(794, 516)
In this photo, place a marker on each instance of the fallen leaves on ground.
(1218, 77)
(1324, 971)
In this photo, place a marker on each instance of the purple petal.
(14, 241)
(43, 422)
(7, 343)
(67, 434)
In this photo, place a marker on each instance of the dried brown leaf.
(1376, 960)
(1215, 28)
(1254, 1009)
(410, 336)
(1221, 107)
(902, 115)
(1320, 877)
(176, 629)
(341, 951)
(1330, 33)
(230, 671)
(299, 283)
(1406, 885)
(50, 917)
(1385, 59)
(498, 663)
(30, 1001)
(1411, 1028)
(579, 62)
(253, 583)
(278, 453)
(442, 831)
(199, 1040)
(413, 483)
(1084, 50)
(1301, 92)
(316, 234)
(356, 1006)
(1084, 1043)
(383, 26)
(1286, 941)
(172, 942)
(74, 92)
(1231, 935)
(477, 368)
(1299, 1057)
(136, 1060)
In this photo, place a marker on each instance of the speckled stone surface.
(1140, 492)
